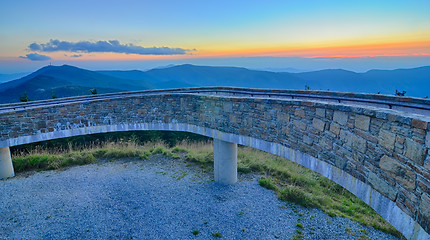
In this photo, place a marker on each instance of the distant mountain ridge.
(13, 76)
(64, 81)
(415, 81)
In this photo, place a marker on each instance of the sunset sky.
(258, 34)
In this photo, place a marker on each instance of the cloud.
(76, 55)
(326, 58)
(104, 46)
(36, 57)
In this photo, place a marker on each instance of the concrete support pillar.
(225, 162)
(6, 167)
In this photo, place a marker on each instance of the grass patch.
(290, 181)
(46, 159)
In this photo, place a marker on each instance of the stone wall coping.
(363, 110)
(364, 96)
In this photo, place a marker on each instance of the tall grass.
(51, 159)
(290, 181)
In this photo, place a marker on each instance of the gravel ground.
(158, 198)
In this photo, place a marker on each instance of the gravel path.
(158, 198)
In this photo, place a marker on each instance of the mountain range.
(64, 81)
(13, 76)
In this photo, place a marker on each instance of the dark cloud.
(104, 46)
(36, 57)
(76, 55)
(326, 58)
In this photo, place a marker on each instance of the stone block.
(335, 128)
(386, 139)
(419, 124)
(283, 117)
(286, 130)
(415, 151)
(366, 135)
(419, 139)
(299, 113)
(346, 137)
(358, 157)
(326, 143)
(362, 122)
(407, 201)
(41, 124)
(340, 117)
(427, 163)
(424, 212)
(401, 130)
(401, 173)
(307, 140)
(320, 112)
(423, 184)
(318, 124)
(382, 186)
(300, 125)
(400, 140)
(228, 107)
(419, 132)
(358, 143)
(340, 162)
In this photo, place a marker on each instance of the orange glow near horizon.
(421, 48)
(416, 48)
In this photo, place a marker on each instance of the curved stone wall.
(380, 155)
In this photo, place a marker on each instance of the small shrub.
(179, 150)
(298, 235)
(24, 98)
(195, 232)
(295, 195)
(267, 183)
(217, 235)
(402, 93)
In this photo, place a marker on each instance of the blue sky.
(355, 35)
